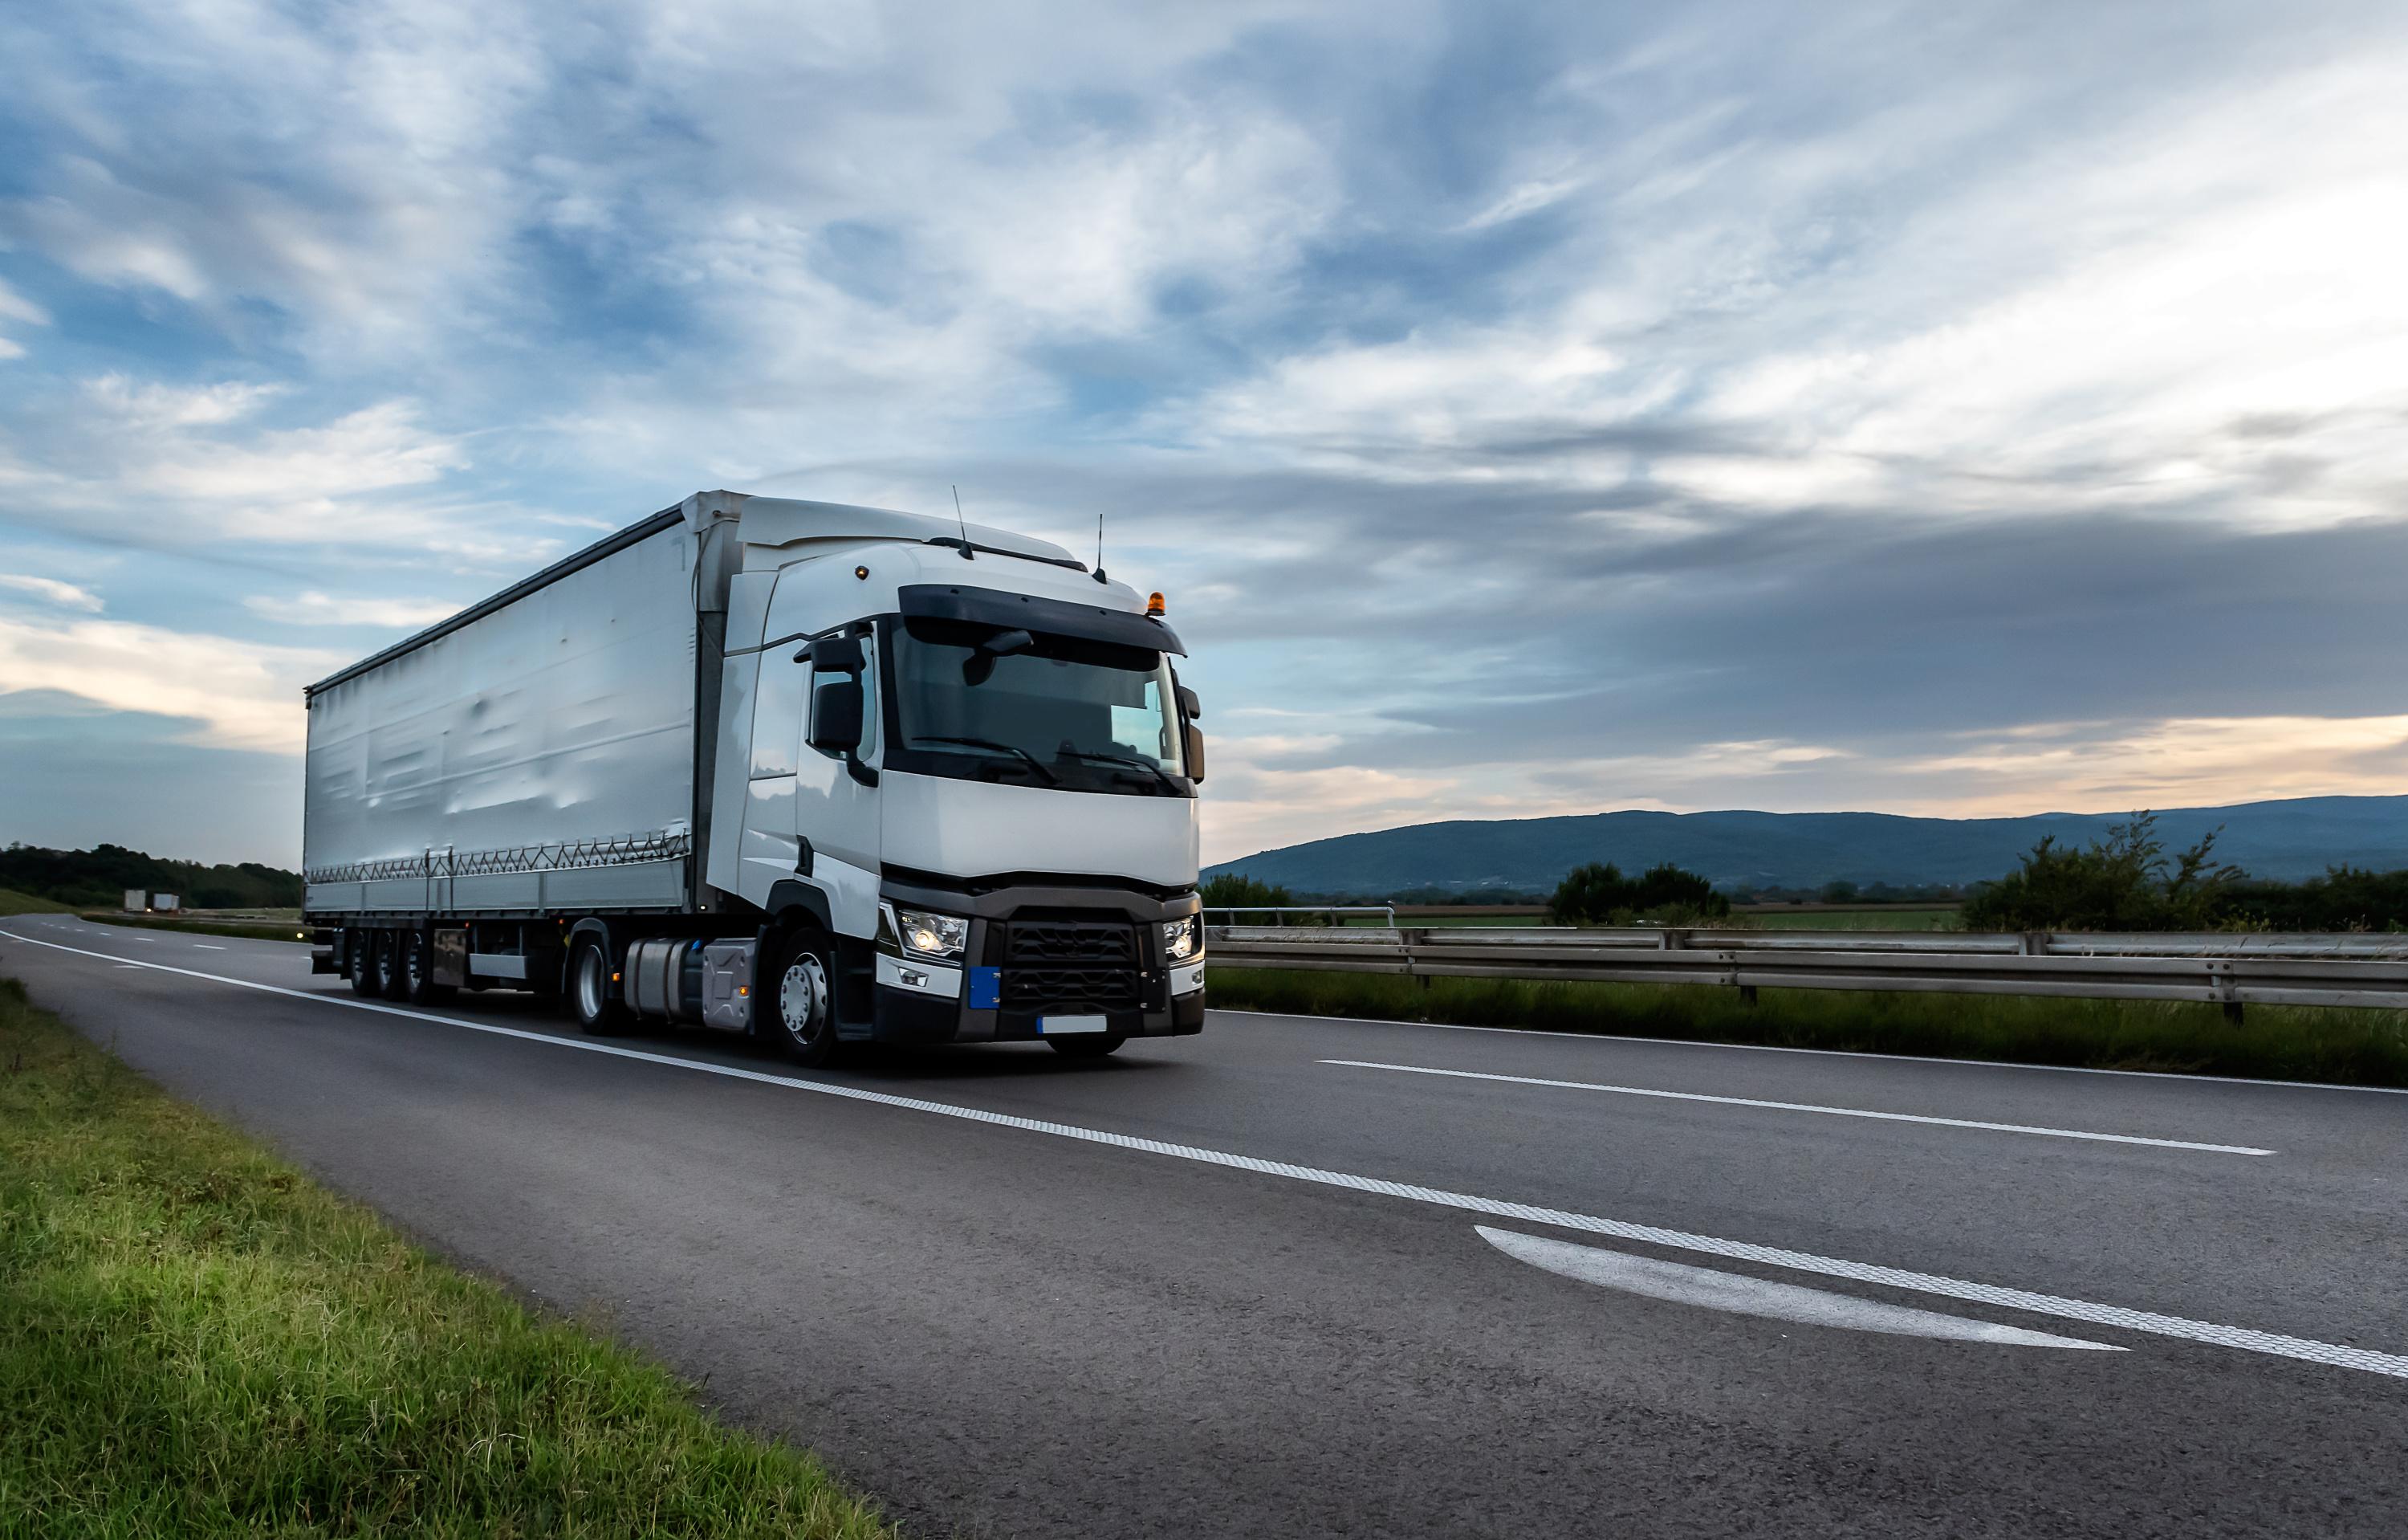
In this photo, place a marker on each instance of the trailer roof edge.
(643, 530)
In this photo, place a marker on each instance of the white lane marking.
(1799, 1106)
(1827, 1053)
(2246, 1339)
(207, 947)
(1739, 1294)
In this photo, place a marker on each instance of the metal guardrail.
(2230, 970)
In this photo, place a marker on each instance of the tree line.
(2125, 880)
(99, 877)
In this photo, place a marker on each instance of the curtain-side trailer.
(808, 771)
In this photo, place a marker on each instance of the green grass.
(245, 931)
(14, 903)
(2348, 1047)
(1899, 918)
(196, 1339)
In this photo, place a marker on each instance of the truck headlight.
(1183, 939)
(938, 936)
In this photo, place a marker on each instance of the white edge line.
(1803, 1107)
(2245, 1339)
(1829, 1053)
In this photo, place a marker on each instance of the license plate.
(1057, 1026)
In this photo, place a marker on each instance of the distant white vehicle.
(136, 899)
(811, 771)
(165, 903)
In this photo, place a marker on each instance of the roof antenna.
(1099, 549)
(963, 523)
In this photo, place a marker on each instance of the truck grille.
(1070, 965)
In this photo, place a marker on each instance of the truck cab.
(958, 772)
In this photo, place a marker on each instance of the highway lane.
(1001, 1331)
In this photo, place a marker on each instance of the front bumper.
(1031, 957)
(909, 1016)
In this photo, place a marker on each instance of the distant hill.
(2285, 841)
(100, 876)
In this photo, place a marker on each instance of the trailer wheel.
(801, 1004)
(589, 991)
(359, 960)
(1086, 1046)
(418, 985)
(384, 965)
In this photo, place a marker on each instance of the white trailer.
(880, 775)
(136, 899)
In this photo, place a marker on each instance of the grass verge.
(195, 1339)
(14, 903)
(2343, 1046)
(242, 930)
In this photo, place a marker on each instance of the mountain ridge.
(2285, 838)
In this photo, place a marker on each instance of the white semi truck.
(802, 770)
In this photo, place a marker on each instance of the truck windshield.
(979, 702)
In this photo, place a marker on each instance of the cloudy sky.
(1527, 409)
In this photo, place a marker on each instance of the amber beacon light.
(1153, 605)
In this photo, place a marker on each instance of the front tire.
(589, 991)
(802, 1004)
(1086, 1044)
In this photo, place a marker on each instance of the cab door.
(832, 813)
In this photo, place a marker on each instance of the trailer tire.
(589, 990)
(1086, 1044)
(359, 960)
(799, 1000)
(418, 985)
(384, 965)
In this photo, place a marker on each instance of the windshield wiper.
(1014, 750)
(1130, 759)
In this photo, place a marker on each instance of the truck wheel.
(589, 991)
(1086, 1044)
(802, 1004)
(359, 960)
(384, 965)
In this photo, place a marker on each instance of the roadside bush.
(2124, 882)
(1599, 894)
(2344, 898)
(1236, 890)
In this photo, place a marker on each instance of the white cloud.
(195, 467)
(236, 693)
(310, 607)
(16, 307)
(64, 594)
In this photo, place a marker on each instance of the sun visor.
(1027, 613)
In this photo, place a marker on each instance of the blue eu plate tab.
(986, 988)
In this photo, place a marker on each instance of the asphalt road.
(1267, 1281)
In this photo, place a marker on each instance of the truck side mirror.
(1189, 707)
(1195, 753)
(835, 655)
(836, 714)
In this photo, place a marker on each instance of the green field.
(2348, 1047)
(1874, 917)
(195, 1339)
(14, 903)
(200, 924)
(1884, 917)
